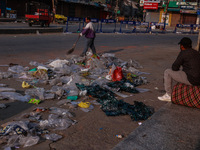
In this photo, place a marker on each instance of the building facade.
(2, 8)
(174, 11)
(72, 8)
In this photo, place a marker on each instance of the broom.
(74, 45)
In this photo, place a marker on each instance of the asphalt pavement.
(172, 127)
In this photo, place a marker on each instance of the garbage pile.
(103, 77)
(29, 129)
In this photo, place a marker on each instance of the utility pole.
(54, 10)
(198, 17)
(116, 9)
(166, 14)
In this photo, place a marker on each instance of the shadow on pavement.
(113, 51)
(9, 111)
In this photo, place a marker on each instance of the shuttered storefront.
(175, 19)
(188, 18)
(152, 16)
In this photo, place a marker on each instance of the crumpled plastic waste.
(113, 107)
(84, 104)
(58, 63)
(53, 137)
(34, 63)
(29, 140)
(42, 67)
(91, 107)
(59, 122)
(117, 74)
(5, 89)
(41, 74)
(57, 90)
(60, 111)
(26, 85)
(123, 85)
(134, 64)
(34, 101)
(36, 92)
(5, 75)
(16, 69)
(14, 96)
(73, 98)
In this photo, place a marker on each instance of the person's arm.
(178, 62)
(85, 30)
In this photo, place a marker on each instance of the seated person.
(189, 59)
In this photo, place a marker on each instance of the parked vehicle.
(60, 18)
(38, 14)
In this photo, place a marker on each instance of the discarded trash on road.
(73, 81)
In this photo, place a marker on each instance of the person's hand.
(80, 34)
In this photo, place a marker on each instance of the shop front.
(2, 8)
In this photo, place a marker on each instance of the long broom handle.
(76, 40)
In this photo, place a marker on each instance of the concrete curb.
(30, 31)
(172, 127)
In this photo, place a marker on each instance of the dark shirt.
(190, 61)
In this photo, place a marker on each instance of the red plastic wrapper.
(117, 74)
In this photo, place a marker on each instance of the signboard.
(73, 19)
(108, 21)
(198, 12)
(151, 1)
(150, 5)
(94, 20)
(188, 3)
(184, 25)
(141, 2)
(187, 7)
(148, 1)
(184, 11)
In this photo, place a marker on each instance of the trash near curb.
(75, 82)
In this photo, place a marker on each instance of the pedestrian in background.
(89, 32)
(189, 60)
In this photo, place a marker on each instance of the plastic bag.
(14, 96)
(29, 140)
(7, 129)
(91, 107)
(117, 74)
(60, 111)
(108, 55)
(48, 96)
(53, 137)
(16, 69)
(41, 74)
(36, 92)
(13, 141)
(5, 75)
(4, 89)
(34, 63)
(58, 63)
(58, 122)
(84, 104)
(57, 90)
(65, 70)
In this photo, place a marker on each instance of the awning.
(173, 9)
(173, 4)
